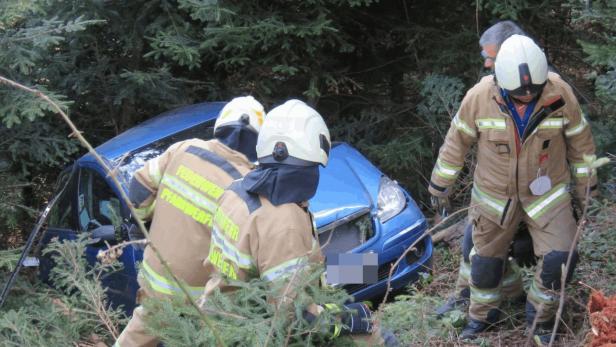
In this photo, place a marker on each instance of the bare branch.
(565, 270)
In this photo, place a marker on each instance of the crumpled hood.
(348, 184)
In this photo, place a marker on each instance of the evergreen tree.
(595, 23)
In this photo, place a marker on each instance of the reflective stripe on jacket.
(556, 138)
(251, 237)
(179, 191)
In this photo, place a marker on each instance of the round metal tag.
(540, 185)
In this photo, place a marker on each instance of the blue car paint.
(156, 128)
(348, 184)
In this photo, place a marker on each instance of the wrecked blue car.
(357, 208)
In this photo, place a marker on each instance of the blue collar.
(519, 122)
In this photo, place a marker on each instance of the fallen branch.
(449, 233)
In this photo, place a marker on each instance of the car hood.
(347, 185)
(161, 126)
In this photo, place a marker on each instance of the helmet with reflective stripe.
(295, 134)
(244, 111)
(521, 67)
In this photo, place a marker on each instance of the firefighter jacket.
(179, 190)
(553, 144)
(253, 238)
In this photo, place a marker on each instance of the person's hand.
(441, 205)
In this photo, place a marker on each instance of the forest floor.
(411, 316)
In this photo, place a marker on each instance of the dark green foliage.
(247, 316)
(9, 258)
(412, 318)
(404, 139)
(36, 315)
(598, 42)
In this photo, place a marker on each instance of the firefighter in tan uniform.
(262, 226)
(178, 191)
(521, 248)
(531, 137)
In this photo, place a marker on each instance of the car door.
(62, 220)
(89, 203)
(98, 205)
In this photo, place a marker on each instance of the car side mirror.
(103, 233)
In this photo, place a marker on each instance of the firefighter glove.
(440, 204)
(355, 318)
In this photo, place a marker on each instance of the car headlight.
(391, 199)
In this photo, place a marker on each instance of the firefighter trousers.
(488, 257)
(512, 286)
(135, 334)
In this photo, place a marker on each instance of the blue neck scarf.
(239, 138)
(520, 123)
(282, 184)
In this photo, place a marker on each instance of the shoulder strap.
(215, 159)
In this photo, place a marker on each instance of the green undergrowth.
(73, 313)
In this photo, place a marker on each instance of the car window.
(61, 215)
(133, 161)
(97, 204)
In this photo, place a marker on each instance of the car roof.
(161, 126)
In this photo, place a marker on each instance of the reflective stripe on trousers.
(485, 296)
(465, 270)
(536, 294)
(165, 286)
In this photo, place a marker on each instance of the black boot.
(454, 303)
(472, 328)
(542, 333)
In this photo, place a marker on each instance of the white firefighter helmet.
(294, 133)
(521, 67)
(243, 110)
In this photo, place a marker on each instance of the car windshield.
(130, 162)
